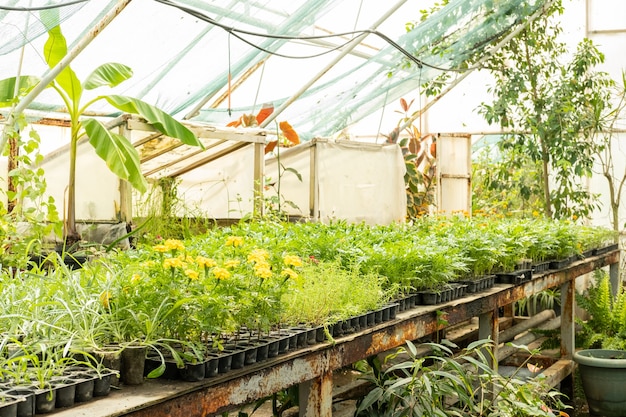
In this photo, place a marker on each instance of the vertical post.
(126, 192)
(313, 181)
(259, 165)
(568, 290)
(489, 328)
(614, 278)
(316, 396)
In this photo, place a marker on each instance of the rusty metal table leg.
(489, 328)
(316, 396)
(568, 291)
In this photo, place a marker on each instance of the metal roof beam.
(350, 46)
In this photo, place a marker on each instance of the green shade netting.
(181, 62)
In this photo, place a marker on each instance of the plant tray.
(561, 263)
(479, 284)
(451, 292)
(540, 267)
(516, 277)
(606, 249)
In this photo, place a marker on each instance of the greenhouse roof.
(322, 64)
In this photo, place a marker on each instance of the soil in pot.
(45, 400)
(133, 364)
(66, 394)
(25, 408)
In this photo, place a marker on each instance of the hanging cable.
(258, 89)
(236, 32)
(39, 8)
(229, 79)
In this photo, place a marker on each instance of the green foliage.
(118, 153)
(507, 182)
(33, 216)
(554, 106)
(442, 384)
(324, 293)
(420, 163)
(606, 327)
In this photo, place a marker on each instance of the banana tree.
(116, 150)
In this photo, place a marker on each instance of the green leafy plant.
(554, 101)
(606, 326)
(116, 150)
(419, 154)
(442, 384)
(324, 293)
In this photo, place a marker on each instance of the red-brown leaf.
(270, 146)
(289, 133)
(405, 107)
(264, 113)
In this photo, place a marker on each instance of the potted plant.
(602, 363)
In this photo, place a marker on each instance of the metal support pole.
(349, 47)
(477, 65)
(316, 396)
(489, 328)
(568, 290)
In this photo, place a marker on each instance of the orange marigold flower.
(160, 248)
(234, 241)
(174, 244)
(262, 271)
(173, 263)
(289, 273)
(193, 275)
(205, 262)
(258, 255)
(231, 263)
(221, 273)
(105, 299)
(292, 260)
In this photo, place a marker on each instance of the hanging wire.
(230, 112)
(419, 99)
(382, 112)
(258, 88)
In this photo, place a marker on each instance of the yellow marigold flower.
(174, 244)
(262, 271)
(262, 264)
(535, 213)
(221, 273)
(135, 279)
(292, 260)
(258, 255)
(173, 263)
(105, 299)
(231, 263)
(205, 262)
(289, 273)
(234, 241)
(160, 248)
(193, 275)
